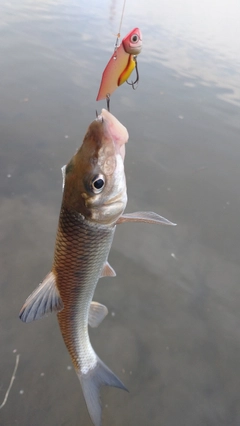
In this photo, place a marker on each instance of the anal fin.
(43, 300)
(97, 313)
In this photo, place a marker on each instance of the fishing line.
(120, 26)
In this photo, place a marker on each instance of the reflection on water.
(172, 333)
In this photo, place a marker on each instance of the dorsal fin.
(43, 300)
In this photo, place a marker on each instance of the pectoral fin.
(63, 175)
(97, 313)
(108, 271)
(147, 217)
(43, 300)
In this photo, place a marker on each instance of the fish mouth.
(115, 130)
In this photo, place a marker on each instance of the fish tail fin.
(91, 383)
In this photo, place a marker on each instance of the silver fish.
(94, 199)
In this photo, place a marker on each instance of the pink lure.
(121, 64)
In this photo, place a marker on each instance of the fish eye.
(134, 38)
(97, 184)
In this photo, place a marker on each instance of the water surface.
(172, 333)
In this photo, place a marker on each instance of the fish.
(121, 64)
(93, 204)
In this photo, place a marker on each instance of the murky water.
(173, 332)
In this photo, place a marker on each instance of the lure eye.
(134, 38)
(98, 184)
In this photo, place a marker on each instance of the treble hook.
(134, 84)
(108, 102)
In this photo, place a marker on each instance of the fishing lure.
(121, 65)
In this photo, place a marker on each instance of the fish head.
(132, 43)
(95, 184)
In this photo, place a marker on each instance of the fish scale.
(78, 263)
